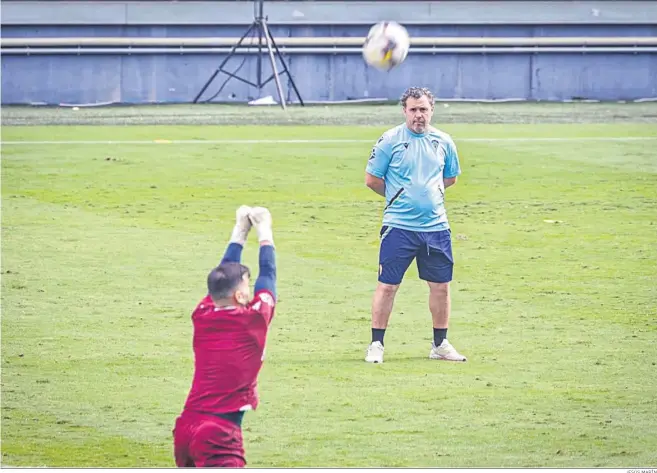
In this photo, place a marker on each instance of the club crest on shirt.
(267, 298)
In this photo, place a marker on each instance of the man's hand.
(449, 181)
(260, 216)
(377, 184)
(262, 221)
(242, 225)
(242, 217)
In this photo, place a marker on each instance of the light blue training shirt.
(413, 166)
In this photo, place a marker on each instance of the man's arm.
(449, 181)
(266, 280)
(377, 166)
(452, 167)
(265, 285)
(262, 221)
(377, 184)
(241, 229)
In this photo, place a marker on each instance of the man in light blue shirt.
(411, 166)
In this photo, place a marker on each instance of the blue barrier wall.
(164, 78)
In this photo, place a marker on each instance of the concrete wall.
(141, 78)
(186, 12)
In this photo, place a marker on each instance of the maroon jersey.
(229, 345)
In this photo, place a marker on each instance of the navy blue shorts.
(432, 251)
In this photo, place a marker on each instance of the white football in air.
(386, 45)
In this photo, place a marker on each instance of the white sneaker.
(374, 353)
(445, 352)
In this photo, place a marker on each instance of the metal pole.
(258, 22)
(273, 64)
(221, 66)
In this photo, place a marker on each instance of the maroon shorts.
(203, 440)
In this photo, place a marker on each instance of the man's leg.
(181, 439)
(396, 253)
(227, 461)
(384, 298)
(440, 306)
(435, 265)
(217, 443)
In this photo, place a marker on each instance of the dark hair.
(416, 93)
(224, 279)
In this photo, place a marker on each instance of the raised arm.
(262, 221)
(238, 238)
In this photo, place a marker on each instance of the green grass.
(105, 249)
(350, 114)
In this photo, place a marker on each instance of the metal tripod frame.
(262, 29)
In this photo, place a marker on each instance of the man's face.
(418, 113)
(242, 294)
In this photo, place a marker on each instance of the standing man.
(411, 166)
(230, 330)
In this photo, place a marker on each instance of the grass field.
(105, 249)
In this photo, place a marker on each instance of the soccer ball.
(386, 45)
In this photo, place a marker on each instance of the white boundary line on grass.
(291, 141)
